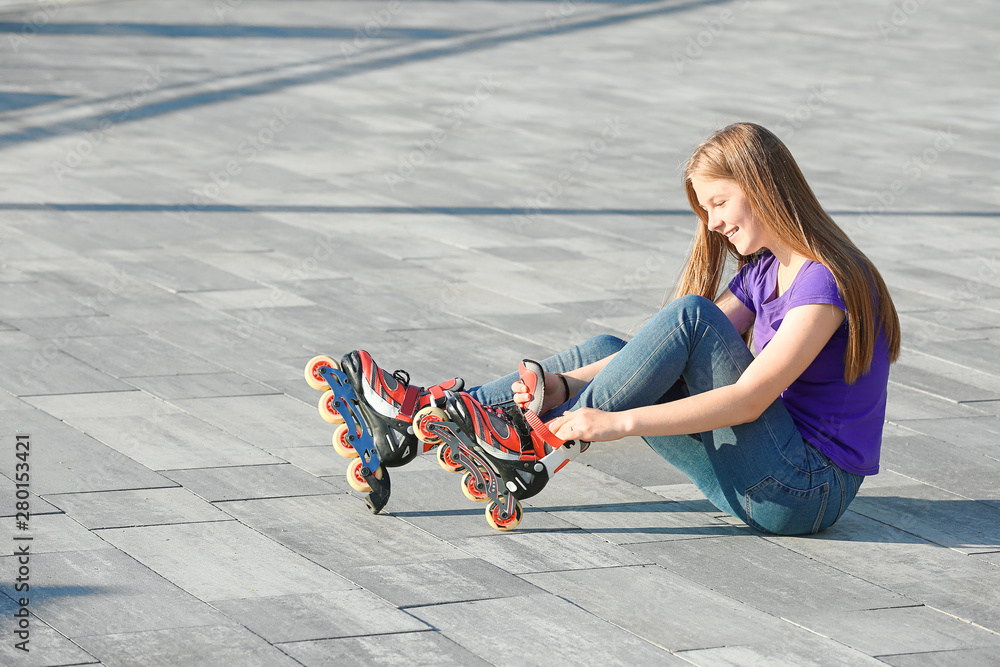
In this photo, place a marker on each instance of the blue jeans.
(762, 472)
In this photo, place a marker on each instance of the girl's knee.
(691, 302)
(606, 344)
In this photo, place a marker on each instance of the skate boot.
(508, 454)
(377, 415)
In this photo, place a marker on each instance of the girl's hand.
(589, 425)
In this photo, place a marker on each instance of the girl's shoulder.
(815, 283)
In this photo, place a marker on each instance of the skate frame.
(467, 454)
(363, 444)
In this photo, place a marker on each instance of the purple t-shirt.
(843, 421)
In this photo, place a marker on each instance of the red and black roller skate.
(507, 454)
(377, 415)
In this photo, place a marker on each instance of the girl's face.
(729, 214)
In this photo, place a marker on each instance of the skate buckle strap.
(410, 402)
(539, 427)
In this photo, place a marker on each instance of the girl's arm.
(741, 317)
(803, 333)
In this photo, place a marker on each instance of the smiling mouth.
(730, 234)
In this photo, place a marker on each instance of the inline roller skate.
(507, 454)
(378, 417)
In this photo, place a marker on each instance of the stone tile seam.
(913, 350)
(927, 392)
(429, 628)
(234, 465)
(175, 485)
(334, 492)
(926, 653)
(963, 367)
(484, 325)
(158, 525)
(963, 620)
(933, 486)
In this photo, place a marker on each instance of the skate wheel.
(472, 490)
(356, 479)
(422, 418)
(327, 409)
(313, 378)
(493, 517)
(446, 460)
(341, 445)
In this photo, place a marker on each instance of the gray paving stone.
(107, 404)
(272, 421)
(631, 523)
(666, 608)
(319, 460)
(173, 441)
(923, 572)
(768, 577)
(631, 459)
(141, 507)
(593, 641)
(578, 485)
(808, 650)
(246, 482)
(901, 630)
(936, 515)
(223, 560)
(944, 465)
(104, 591)
(44, 328)
(50, 371)
(45, 647)
(939, 385)
(8, 499)
(420, 649)
(339, 532)
(906, 403)
(68, 461)
(31, 299)
(126, 356)
(183, 274)
(979, 433)
(212, 645)
(523, 553)
(200, 385)
(438, 582)
(431, 499)
(972, 657)
(52, 533)
(298, 618)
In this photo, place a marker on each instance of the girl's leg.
(762, 472)
(498, 392)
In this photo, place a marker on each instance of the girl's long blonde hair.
(784, 204)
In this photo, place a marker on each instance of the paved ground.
(197, 197)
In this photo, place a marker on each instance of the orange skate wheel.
(422, 418)
(327, 410)
(356, 480)
(313, 378)
(446, 460)
(471, 490)
(341, 445)
(504, 524)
